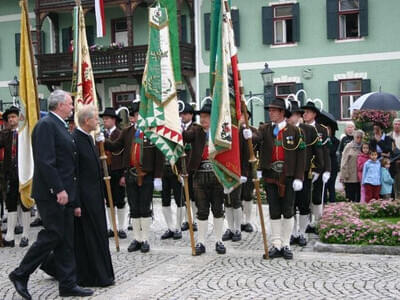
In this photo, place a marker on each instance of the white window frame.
(342, 25)
(348, 93)
(283, 20)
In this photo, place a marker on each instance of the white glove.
(247, 134)
(259, 174)
(297, 185)
(157, 184)
(100, 137)
(181, 180)
(315, 176)
(243, 179)
(326, 176)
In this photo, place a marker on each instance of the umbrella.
(327, 119)
(377, 101)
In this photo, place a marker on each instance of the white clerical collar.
(281, 125)
(62, 120)
(80, 129)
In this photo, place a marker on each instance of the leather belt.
(277, 166)
(205, 166)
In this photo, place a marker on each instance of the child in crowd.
(386, 180)
(371, 177)
(361, 160)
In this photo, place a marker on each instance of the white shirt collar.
(110, 131)
(62, 120)
(281, 125)
(298, 124)
(186, 125)
(80, 129)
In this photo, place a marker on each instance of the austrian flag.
(100, 18)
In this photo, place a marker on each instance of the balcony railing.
(107, 63)
(57, 4)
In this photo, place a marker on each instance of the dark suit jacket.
(196, 137)
(10, 170)
(116, 157)
(324, 139)
(312, 148)
(55, 159)
(153, 159)
(294, 165)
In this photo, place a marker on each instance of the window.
(349, 19)
(283, 24)
(34, 45)
(282, 90)
(123, 98)
(350, 90)
(119, 31)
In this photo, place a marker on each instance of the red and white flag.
(100, 18)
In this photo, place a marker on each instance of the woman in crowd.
(348, 167)
(382, 143)
(361, 160)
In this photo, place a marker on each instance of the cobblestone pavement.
(170, 272)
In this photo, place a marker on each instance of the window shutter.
(366, 86)
(17, 45)
(296, 22)
(363, 17)
(332, 9)
(207, 26)
(42, 43)
(334, 99)
(208, 92)
(183, 29)
(66, 38)
(300, 86)
(236, 26)
(90, 35)
(267, 25)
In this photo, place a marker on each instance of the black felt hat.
(311, 106)
(134, 108)
(187, 108)
(206, 108)
(296, 107)
(279, 104)
(110, 112)
(11, 110)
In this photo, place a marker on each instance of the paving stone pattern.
(169, 271)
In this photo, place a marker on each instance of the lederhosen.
(323, 142)
(170, 182)
(314, 163)
(207, 189)
(115, 172)
(247, 187)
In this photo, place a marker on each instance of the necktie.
(107, 134)
(276, 130)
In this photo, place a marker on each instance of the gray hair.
(86, 112)
(55, 98)
(358, 132)
(350, 123)
(396, 120)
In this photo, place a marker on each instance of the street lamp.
(13, 85)
(268, 78)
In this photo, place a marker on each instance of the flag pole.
(254, 165)
(107, 178)
(187, 201)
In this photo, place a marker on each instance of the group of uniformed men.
(294, 165)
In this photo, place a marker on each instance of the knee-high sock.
(317, 212)
(295, 231)
(276, 233)
(304, 220)
(218, 228)
(167, 212)
(109, 219)
(202, 233)
(180, 214)
(137, 230)
(26, 223)
(121, 213)
(247, 209)
(237, 219)
(145, 223)
(194, 211)
(229, 218)
(286, 231)
(11, 222)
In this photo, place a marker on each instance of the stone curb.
(357, 249)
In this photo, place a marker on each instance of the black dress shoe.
(274, 252)
(24, 242)
(237, 236)
(287, 253)
(18, 229)
(122, 234)
(134, 246)
(21, 285)
(200, 249)
(110, 233)
(185, 226)
(246, 227)
(227, 236)
(145, 247)
(294, 239)
(37, 222)
(194, 226)
(311, 229)
(220, 248)
(76, 291)
(177, 235)
(302, 241)
(167, 235)
(8, 243)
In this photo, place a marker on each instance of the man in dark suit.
(54, 189)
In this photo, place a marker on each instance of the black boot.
(287, 253)
(220, 248)
(274, 252)
(177, 235)
(200, 249)
(21, 285)
(134, 246)
(237, 236)
(227, 236)
(167, 235)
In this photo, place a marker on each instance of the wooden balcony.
(57, 5)
(110, 63)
